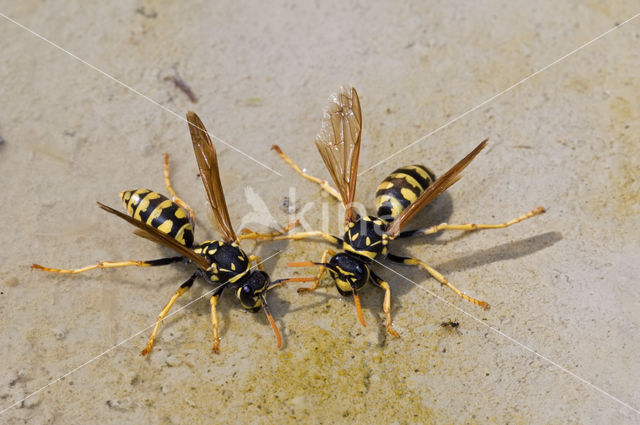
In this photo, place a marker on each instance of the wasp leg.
(250, 234)
(469, 226)
(440, 278)
(334, 240)
(214, 319)
(181, 290)
(386, 305)
(174, 197)
(257, 260)
(112, 264)
(316, 280)
(323, 183)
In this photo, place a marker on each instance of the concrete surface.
(564, 285)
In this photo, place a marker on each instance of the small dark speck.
(409, 44)
(486, 374)
(287, 206)
(2, 140)
(69, 133)
(388, 111)
(617, 24)
(444, 350)
(184, 87)
(450, 324)
(151, 14)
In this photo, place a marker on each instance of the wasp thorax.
(230, 262)
(348, 272)
(366, 237)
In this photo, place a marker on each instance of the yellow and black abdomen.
(400, 189)
(160, 212)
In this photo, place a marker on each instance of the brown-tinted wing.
(339, 143)
(440, 185)
(208, 165)
(153, 234)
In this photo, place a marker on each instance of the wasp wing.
(208, 165)
(339, 143)
(440, 185)
(148, 232)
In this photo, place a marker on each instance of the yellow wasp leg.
(470, 226)
(111, 264)
(257, 260)
(439, 277)
(174, 197)
(316, 280)
(325, 254)
(250, 234)
(323, 183)
(386, 304)
(299, 236)
(214, 321)
(181, 290)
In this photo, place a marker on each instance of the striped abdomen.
(400, 189)
(160, 212)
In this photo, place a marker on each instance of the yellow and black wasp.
(399, 198)
(167, 222)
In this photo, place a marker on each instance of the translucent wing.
(339, 143)
(208, 165)
(440, 185)
(148, 232)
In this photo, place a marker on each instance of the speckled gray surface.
(563, 284)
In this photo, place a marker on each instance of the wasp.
(399, 198)
(170, 223)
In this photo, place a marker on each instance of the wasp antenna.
(271, 321)
(306, 264)
(281, 282)
(356, 300)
